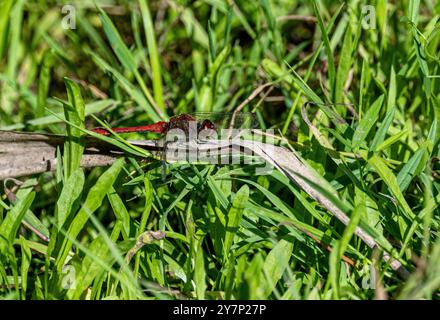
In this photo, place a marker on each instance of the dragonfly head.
(206, 125)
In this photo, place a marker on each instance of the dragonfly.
(26, 153)
(209, 121)
(203, 120)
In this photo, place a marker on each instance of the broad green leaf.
(200, 274)
(90, 269)
(233, 218)
(30, 220)
(12, 221)
(254, 277)
(276, 263)
(91, 204)
(69, 194)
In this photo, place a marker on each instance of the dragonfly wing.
(224, 120)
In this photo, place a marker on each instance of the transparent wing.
(225, 120)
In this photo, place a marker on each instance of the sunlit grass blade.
(93, 201)
(153, 54)
(73, 112)
(127, 60)
(12, 221)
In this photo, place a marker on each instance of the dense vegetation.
(372, 75)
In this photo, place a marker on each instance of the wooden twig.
(24, 154)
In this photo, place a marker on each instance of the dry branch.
(24, 154)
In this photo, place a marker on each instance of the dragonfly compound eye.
(207, 125)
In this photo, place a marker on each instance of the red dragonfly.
(204, 120)
(16, 147)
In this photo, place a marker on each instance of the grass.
(370, 129)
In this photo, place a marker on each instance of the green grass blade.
(390, 179)
(74, 113)
(200, 274)
(120, 211)
(366, 124)
(344, 65)
(126, 58)
(11, 223)
(234, 217)
(5, 7)
(69, 194)
(328, 49)
(91, 204)
(276, 263)
(44, 82)
(383, 129)
(153, 53)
